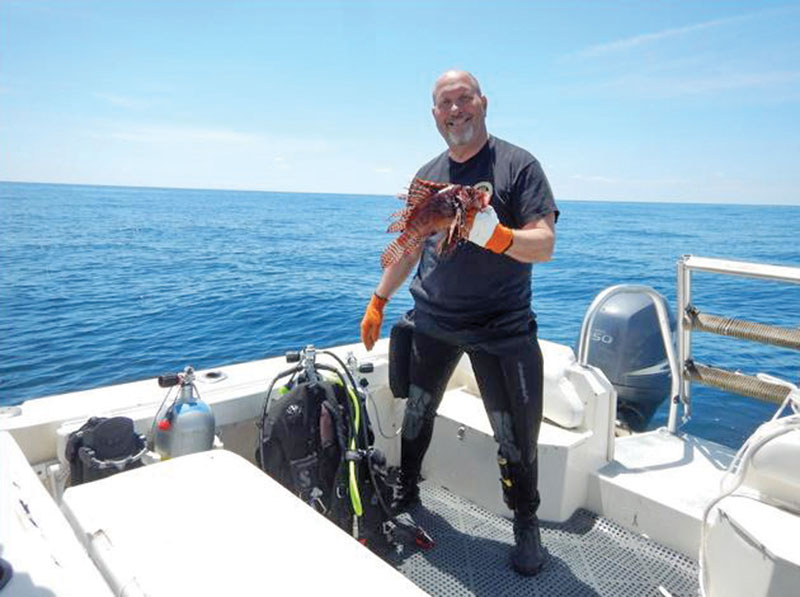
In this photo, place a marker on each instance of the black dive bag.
(303, 440)
(103, 447)
(308, 442)
(400, 340)
(316, 441)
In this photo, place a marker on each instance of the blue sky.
(629, 101)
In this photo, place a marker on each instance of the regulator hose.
(384, 507)
(355, 420)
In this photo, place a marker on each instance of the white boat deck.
(659, 484)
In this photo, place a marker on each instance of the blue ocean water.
(103, 285)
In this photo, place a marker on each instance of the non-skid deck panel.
(588, 555)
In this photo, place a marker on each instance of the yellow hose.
(355, 496)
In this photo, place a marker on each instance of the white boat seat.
(774, 470)
(46, 556)
(752, 550)
(562, 402)
(212, 523)
(752, 536)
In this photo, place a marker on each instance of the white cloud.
(175, 134)
(645, 182)
(644, 38)
(384, 170)
(654, 85)
(649, 38)
(192, 138)
(590, 178)
(122, 101)
(724, 58)
(280, 163)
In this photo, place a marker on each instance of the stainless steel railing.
(690, 318)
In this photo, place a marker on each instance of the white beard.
(463, 136)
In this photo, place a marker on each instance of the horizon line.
(394, 196)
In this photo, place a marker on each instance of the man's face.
(459, 111)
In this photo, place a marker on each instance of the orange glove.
(487, 231)
(373, 318)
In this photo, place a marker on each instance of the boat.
(658, 512)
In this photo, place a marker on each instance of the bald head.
(456, 76)
(459, 110)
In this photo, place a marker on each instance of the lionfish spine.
(402, 245)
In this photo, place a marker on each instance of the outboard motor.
(187, 424)
(625, 343)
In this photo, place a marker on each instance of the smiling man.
(459, 110)
(478, 300)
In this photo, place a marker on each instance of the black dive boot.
(528, 556)
(406, 492)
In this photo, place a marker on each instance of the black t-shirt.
(473, 289)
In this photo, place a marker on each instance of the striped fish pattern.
(433, 207)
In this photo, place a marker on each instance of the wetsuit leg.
(432, 364)
(511, 387)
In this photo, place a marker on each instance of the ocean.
(105, 285)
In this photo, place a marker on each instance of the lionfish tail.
(407, 219)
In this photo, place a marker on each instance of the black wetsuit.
(478, 302)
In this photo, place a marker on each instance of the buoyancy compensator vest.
(315, 439)
(303, 441)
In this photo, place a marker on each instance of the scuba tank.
(186, 425)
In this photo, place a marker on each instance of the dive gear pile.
(316, 440)
(102, 447)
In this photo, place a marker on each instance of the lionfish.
(433, 207)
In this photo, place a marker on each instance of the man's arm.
(395, 274)
(535, 241)
(392, 278)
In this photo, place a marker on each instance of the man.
(478, 300)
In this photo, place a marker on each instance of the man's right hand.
(373, 318)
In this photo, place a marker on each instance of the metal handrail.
(686, 265)
(666, 334)
(747, 269)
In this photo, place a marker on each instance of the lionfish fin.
(400, 220)
(398, 226)
(400, 213)
(402, 245)
(407, 220)
(422, 190)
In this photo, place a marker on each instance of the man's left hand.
(488, 232)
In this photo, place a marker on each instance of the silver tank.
(186, 426)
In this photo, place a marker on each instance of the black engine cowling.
(626, 344)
